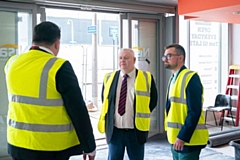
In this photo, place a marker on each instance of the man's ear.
(56, 47)
(181, 57)
(57, 44)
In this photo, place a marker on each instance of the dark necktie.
(123, 95)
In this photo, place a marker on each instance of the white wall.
(235, 46)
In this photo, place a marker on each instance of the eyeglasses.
(168, 56)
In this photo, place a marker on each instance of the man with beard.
(184, 117)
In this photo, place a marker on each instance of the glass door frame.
(14, 7)
(21, 7)
(160, 20)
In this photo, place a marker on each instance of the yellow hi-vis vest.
(37, 118)
(142, 91)
(178, 112)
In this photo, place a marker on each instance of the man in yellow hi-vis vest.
(184, 117)
(47, 116)
(129, 95)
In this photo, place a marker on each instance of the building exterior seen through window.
(76, 44)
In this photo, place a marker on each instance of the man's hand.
(89, 157)
(178, 145)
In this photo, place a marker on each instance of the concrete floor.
(157, 147)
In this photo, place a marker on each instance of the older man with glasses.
(184, 117)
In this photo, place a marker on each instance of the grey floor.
(157, 148)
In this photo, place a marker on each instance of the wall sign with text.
(7, 50)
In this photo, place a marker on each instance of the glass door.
(89, 41)
(144, 37)
(15, 33)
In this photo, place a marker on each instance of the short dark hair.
(179, 49)
(46, 33)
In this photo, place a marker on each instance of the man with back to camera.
(47, 116)
(184, 117)
(129, 95)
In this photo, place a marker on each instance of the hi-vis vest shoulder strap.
(36, 113)
(178, 112)
(108, 78)
(142, 92)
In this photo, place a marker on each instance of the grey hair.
(129, 50)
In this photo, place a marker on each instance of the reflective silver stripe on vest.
(35, 101)
(42, 99)
(44, 78)
(143, 115)
(179, 125)
(143, 93)
(178, 100)
(146, 77)
(181, 99)
(40, 127)
(10, 62)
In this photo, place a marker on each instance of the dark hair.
(179, 49)
(46, 33)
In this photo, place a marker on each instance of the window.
(205, 54)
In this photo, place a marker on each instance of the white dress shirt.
(126, 120)
(45, 49)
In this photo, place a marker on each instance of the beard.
(170, 67)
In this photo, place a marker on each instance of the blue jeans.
(122, 139)
(185, 156)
